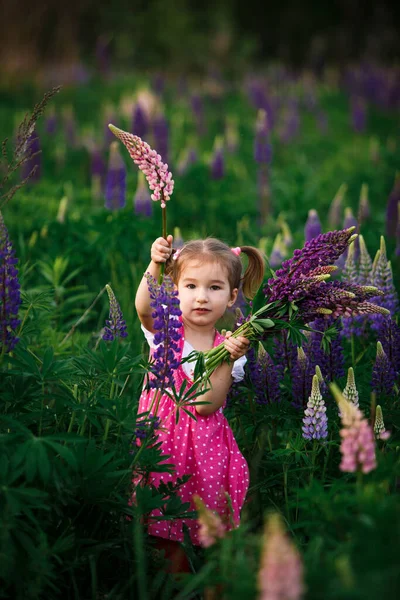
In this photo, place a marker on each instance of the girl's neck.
(201, 338)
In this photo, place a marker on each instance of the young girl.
(207, 274)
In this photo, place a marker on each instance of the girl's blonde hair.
(213, 250)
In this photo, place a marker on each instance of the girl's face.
(204, 292)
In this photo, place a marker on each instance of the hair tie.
(176, 254)
(236, 251)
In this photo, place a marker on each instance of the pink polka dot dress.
(205, 449)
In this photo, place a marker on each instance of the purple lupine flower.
(358, 114)
(315, 421)
(364, 210)
(32, 155)
(392, 209)
(50, 124)
(140, 122)
(217, 164)
(161, 136)
(158, 177)
(339, 299)
(313, 226)
(115, 189)
(301, 379)
(197, 105)
(315, 259)
(262, 142)
(264, 376)
(167, 325)
(335, 209)
(10, 296)
(142, 202)
(383, 373)
(115, 325)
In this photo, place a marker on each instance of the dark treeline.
(189, 34)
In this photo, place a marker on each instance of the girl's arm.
(221, 380)
(160, 252)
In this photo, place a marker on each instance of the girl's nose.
(201, 296)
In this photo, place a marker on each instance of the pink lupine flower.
(211, 525)
(281, 571)
(358, 444)
(156, 172)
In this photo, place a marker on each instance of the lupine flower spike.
(165, 306)
(115, 325)
(383, 373)
(281, 571)
(358, 445)
(156, 172)
(379, 426)
(321, 381)
(315, 421)
(350, 392)
(10, 297)
(211, 525)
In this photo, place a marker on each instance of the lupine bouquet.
(300, 292)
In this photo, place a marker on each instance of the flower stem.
(164, 234)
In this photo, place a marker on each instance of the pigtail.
(254, 274)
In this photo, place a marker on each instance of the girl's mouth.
(202, 310)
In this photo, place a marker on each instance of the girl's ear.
(233, 297)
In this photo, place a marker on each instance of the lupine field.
(273, 159)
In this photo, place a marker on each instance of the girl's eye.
(215, 287)
(190, 286)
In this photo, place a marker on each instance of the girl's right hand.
(161, 249)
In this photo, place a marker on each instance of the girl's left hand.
(236, 346)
